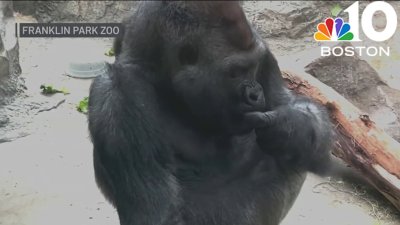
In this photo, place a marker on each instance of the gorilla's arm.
(294, 129)
(130, 157)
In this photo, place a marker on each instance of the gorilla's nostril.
(253, 97)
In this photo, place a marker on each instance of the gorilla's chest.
(189, 145)
(217, 160)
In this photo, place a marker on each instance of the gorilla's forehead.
(252, 54)
(227, 54)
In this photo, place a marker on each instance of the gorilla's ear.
(237, 29)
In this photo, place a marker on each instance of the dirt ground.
(46, 172)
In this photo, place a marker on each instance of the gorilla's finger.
(261, 119)
(270, 117)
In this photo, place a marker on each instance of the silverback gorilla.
(193, 125)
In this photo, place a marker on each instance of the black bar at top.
(69, 29)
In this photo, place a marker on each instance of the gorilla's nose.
(254, 96)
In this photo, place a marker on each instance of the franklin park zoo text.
(69, 29)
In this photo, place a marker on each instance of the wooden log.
(359, 142)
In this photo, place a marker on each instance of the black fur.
(194, 126)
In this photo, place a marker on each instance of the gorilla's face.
(211, 56)
(215, 80)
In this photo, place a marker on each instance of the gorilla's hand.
(286, 126)
(294, 133)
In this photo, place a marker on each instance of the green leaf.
(83, 105)
(336, 10)
(64, 91)
(50, 90)
(110, 52)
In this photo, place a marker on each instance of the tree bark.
(359, 142)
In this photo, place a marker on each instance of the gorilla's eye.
(188, 55)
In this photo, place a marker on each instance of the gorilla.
(193, 125)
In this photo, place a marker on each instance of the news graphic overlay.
(327, 33)
(338, 30)
(68, 30)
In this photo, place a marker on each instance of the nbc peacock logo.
(333, 30)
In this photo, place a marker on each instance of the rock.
(4, 120)
(4, 67)
(10, 69)
(358, 82)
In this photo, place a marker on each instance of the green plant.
(83, 105)
(49, 90)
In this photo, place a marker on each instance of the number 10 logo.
(350, 31)
(366, 21)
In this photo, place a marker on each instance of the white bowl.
(86, 69)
